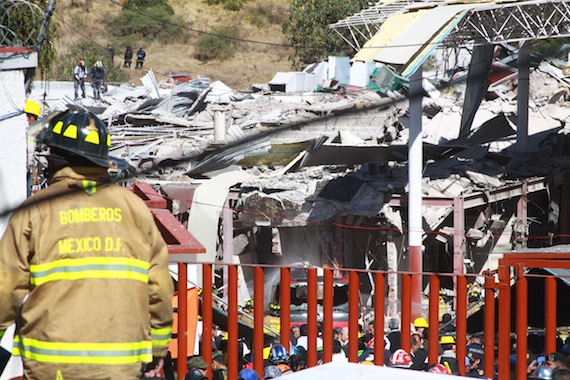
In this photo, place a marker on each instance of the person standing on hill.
(128, 57)
(79, 75)
(141, 55)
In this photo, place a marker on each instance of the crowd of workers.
(279, 361)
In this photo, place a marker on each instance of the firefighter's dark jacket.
(84, 273)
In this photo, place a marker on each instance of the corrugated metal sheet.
(407, 39)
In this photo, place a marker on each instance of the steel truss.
(495, 23)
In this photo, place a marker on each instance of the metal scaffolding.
(492, 23)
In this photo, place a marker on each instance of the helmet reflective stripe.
(92, 137)
(57, 127)
(71, 131)
(83, 352)
(91, 267)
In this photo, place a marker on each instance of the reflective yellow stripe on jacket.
(161, 337)
(92, 267)
(83, 353)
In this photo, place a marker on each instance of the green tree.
(220, 45)
(147, 19)
(308, 28)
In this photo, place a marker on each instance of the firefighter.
(88, 259)
(32, 110)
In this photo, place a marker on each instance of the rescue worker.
(279, 357)
(141, 55)
(97, 75)
(32, 109)
(128, 57)
(79, 75)
(88, 259)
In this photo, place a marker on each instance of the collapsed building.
(282, 175)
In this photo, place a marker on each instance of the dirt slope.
(255, 62)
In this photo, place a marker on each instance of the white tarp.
(353, 371)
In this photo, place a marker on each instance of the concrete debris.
(361, 158)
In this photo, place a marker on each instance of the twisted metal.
(20, 23)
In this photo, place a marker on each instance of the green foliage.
(220, 45)
(143, 20)
(263, 13)
(550, 47)
(89, 52)
(308, 28)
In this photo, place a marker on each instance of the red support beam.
(312, 328)
(285, 304)
(406, 311)
(504, 330)
(207, 319)
(328, 304)
(489, 328)
(433, 330)
(550, 298)
(461, 322)
(182, 317)
(233, 331)
(379, 312)
(522, 322)
(353, 289)
(258, 314)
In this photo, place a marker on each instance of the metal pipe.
(379, 312)
(258, 309)
(415, 168)
(522, 322)
(434, 286)
(328, 304)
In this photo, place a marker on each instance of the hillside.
(253, 63)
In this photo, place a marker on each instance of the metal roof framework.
(494, 23)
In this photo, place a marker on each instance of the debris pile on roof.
(318, 154)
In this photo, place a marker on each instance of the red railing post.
(312, 329)
(353, 301)
(433, 330)
(328, 304)
(461, 322)
(233, 331)
(285, 306)
(504, 343)
(379, 306)
(489, 328)
(522, 322)
(207, 317)
(258, 309)
(182, 318)
(406, 309)
(550, 297)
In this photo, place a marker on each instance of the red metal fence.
(497, 286)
